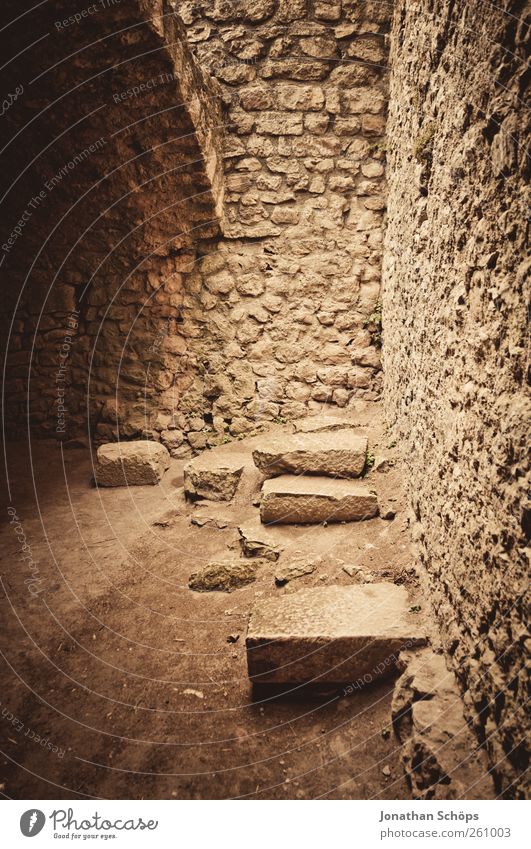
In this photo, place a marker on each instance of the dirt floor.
(121, 682)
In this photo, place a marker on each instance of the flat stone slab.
(290, 500)
(139, 463)
(339, 453)
(340, 635)
(212, 477)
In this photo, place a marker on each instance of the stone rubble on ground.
(224, 576)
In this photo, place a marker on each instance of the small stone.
(212, 478)
(233, 638)
(255, 541)
(138, 463)
(386, 770)
(224, 577)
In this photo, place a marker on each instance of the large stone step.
(339, 453)
(290, 500)
(338, 634)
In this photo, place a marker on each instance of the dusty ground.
(131, 677)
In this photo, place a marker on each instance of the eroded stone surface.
(341, 454)
(332, 634)
(292, 500)
(296, 567)
(224, 576)
(212, 477)
(136, 463)
(440, 754)
(256, 541)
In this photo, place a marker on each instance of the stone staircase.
(316, 478)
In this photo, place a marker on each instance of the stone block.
(340, 453)
(139, 463)
(336, 635)
(212, 477)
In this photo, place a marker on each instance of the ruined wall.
(277, 317)
(455, 347)
(111, 172)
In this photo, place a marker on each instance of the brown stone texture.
(290, 499)
(441, 755)
(276, 317)
(137, 463)
(331, 634)
(112, 170)
(455, 341)
(339, 453)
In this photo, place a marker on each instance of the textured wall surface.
(455, 348)
(277, 313)
(112, 171)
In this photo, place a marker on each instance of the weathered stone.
(296, 567)
(257, 541)
(439, 754)
(317, 424)
(138, 463)
(209, 476)
(280, 124)
(224, 576)
(299, 98)
(289, 500)
(340, 453)
(342, 635)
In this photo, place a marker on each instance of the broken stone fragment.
(224, 576)
(289, 500)
(138, 463)
(212, 478)
(255, 541)
(340, 635)
(296, 568)
(440, 754)
(340, 453)
(317, 424)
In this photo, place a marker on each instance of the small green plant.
(373, 323)
(280, 420)
(370, 460)
(415, 609)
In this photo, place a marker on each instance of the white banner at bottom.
(264, 824)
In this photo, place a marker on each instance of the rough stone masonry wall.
(276, 315)
(455, 347)
(111, 172)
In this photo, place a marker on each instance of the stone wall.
(277, 314)
(455, 347)
(111, 173)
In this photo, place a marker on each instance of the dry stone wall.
(276, 312)
(112, 171)
(456, 284)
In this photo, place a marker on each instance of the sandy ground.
(120, 682)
